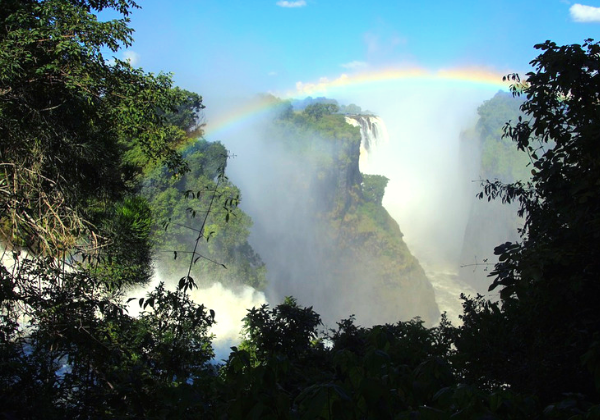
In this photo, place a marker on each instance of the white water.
(374, 134)
(230, 308)
(448, 288)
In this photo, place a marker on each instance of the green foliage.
(318, 110)
(288, 329)
(547, 324)
(185, 116)
(203, 204)
(373, 188)
(499, 158)
(73, 351)
(77, 132)
(387, 371)
(70, 120)
(350, 109)
(128, 258)
(305, 130)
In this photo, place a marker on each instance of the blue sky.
(270, 45)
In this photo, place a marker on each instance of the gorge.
(317, 193)
(321, 229)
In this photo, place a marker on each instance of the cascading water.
(373, 133)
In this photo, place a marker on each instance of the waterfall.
(373, 133)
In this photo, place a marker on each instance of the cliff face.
(327, 240)
(372, 259)
(338, 184)
(228, 244)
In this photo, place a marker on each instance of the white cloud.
(354, 65)
(132, 57)
(272, 73)
(581, 13)
(285, 3)
(321, 86)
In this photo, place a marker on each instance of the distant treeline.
(352, 109)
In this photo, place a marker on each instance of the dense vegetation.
(180, 203)
(77, 134)
(301, 104)
(547, 280)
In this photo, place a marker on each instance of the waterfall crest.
(373, 133)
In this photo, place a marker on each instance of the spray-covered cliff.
(320, 226)
(491, 223)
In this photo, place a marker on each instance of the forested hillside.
(180, 206)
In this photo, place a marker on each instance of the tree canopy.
(77, 131)
(318, 110)
(544, 335)
(73, 121)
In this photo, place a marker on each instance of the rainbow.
(460, 78)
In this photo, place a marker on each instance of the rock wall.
(323, 241)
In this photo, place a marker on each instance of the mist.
(433, 164)
(433, 167)
(276, 194)
(230, 306)
(431, 184)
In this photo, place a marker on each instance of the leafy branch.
(215, 196)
